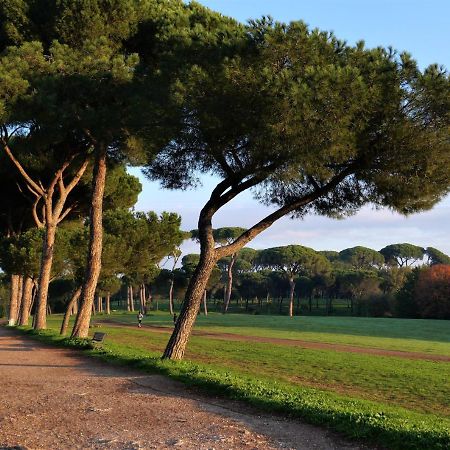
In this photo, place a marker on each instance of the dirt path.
(298, 343)
(58, 399)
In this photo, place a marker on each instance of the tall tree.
(294, 261)
(312, 125)
(435, 256)
(403, 255)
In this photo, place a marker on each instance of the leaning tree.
(312, 126)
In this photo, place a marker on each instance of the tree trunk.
(131, 298)
(229, 283)
(205, 306)
(108, 303)
(19, 296)
(48, 246)
(14, 300)
(27, 295)
(94, 261)
(291, 297)
(69, 309)
(99, 304)
(177, 344)
(171, 297)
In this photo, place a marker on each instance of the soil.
(54, 398)
(298, 343)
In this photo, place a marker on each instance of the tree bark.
(27, 295)
(177, 344)
(229, 286)
(13, 300)
(94, 261)
(205, 306)
(48, 246)
(131, 298)
(108, 303)
(291, 297)
(69, 309)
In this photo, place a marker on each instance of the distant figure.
(140, 316)
(174, 318)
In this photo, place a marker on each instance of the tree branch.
(22, 171)
(265, 223)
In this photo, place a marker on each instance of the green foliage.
(435, 256)
(361, 258)
(136, 242)
(294, 260)
(402, 254)
(405, 305)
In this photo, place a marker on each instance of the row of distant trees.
(371, 281)
(306, 122)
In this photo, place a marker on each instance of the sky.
(421, 27)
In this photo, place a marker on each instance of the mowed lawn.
(417, 385)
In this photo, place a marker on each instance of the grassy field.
(390, 399)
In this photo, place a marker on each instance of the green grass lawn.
(427, 336)
(413, 394)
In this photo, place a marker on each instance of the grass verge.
(389, 426)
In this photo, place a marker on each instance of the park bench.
(98, 337)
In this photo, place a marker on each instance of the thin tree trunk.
(291, 297)
(108, 303)
(44, 277)
(177, 343)
(171, 297)
(131, 298)
(19, 296)
(14, 300)
(27, 294)
(229, 283)
(99, 304)
(205, 306)
(69, 309)
(128, 299)
(94, 261)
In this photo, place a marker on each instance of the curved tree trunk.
(48, 245)
(27, 295)
(94, 260)
(69, 309)
(229, 283)
(177, 344)
(13, 300)
(291, 297)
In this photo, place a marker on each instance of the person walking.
(140, 316)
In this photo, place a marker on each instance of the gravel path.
(52, 398)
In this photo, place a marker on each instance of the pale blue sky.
(420, 27)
